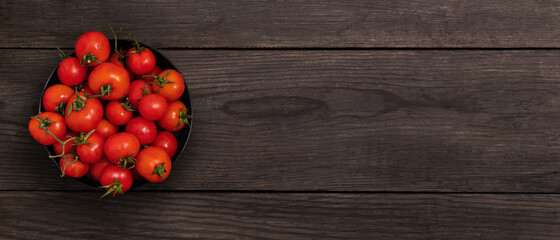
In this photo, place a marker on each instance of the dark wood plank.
(334, 120)
(251, 23)
(29, 215)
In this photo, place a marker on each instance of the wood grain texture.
(468, 121)
(251, 23)
(29, 215)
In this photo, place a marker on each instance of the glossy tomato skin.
(71, 73)
(154, 72)
(106, 128)
(96, 168)
(93, 42)
(147, 161)
(141, 62)
(121, 145)
(58, 128)
(144, 130)
(76, 169)
(171, 91)
(111, 74)
(54, 95)
(92, 152)
(112, 172)
(86, 119)
(136, 92)
(167, 142)
(68, 146)
(152, 107)
(117, 114)
(116, 59)
(171, 118)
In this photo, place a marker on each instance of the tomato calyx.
(145, 91)
(126, 160)
(62, 54)
(103, 91)
(82, 139)
(88, 60)
(78, 104)
(161, 81)
(159, 170)
(113, 188)
(60, 108)
(183, 118)
(137, 47)
(126, 105)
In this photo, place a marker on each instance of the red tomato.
(109, 80)
(169, 84)
(121, 148)
(140, 59)
(117, 113)
(143, 129)
(71, 73)
(56, 97)
(175, 117)
(117, 59)
(167, 141)
(92, 48)
(85, 114)
(96, 168)
(68, 146)
(73, 167)
(152, 107)
(115, 180)
(154, 72)
(39, 124)
(138, 89)
(153, 164)
(106, 128)
(90, 148)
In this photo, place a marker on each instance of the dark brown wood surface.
(313, 120)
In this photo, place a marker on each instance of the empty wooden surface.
(382, 137)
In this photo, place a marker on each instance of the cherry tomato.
(115, 180)
(138, 89)
(117, 59)
(117, 113)
(140, 59)
(153, 164)
(54, 122)
(92, 48)
(106, 128)
(154, 72)
(68, 146)
(90, 148)
(109, 80)
(121, 148)
(167, 141)
(75, 168)
(152, 107)
(56, 97)
(71, 73)
(144, 130)
(83, 114)
(169, 84)
(175, 117)
(96, 168)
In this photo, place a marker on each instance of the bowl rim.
(187, 92)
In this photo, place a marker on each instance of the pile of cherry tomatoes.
(102, 121)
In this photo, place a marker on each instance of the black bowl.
(182, 135)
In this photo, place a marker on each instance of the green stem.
(137, 47)
(113, 188)
(62, 54)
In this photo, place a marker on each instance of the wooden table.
(313, 119)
